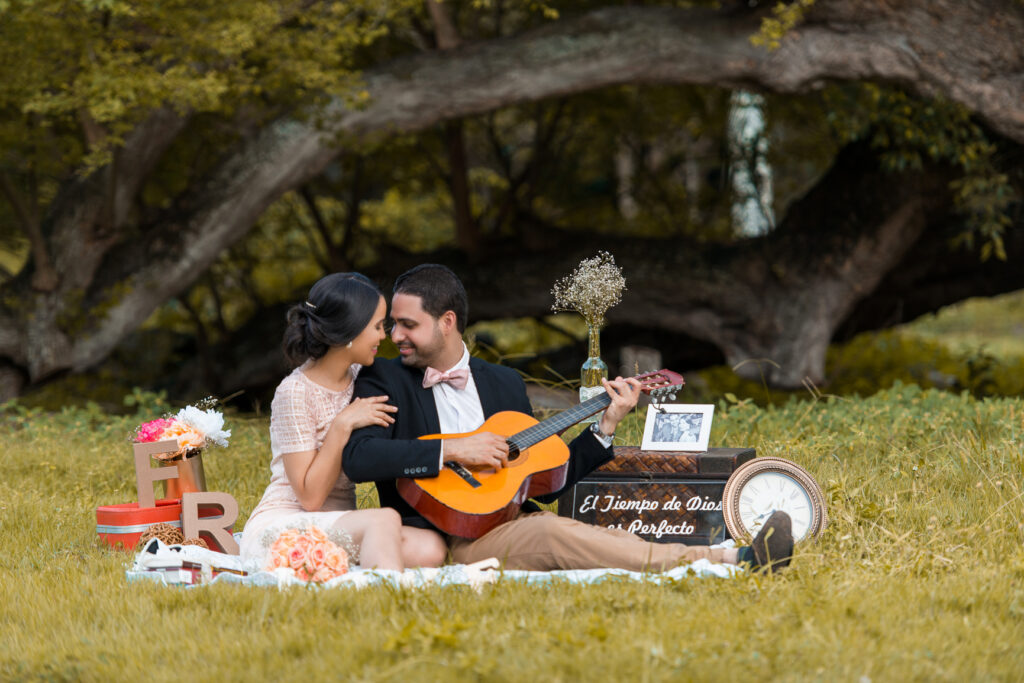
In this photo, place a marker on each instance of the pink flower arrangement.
(310, 554)
(152, 430)
(192, 428)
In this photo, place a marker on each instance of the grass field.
(995, 324)
(920, 576)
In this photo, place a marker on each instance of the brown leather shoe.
(773, 545)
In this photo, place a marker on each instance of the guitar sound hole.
(513, 451)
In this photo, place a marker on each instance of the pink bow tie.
(456, 378)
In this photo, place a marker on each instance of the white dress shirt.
(458, 410)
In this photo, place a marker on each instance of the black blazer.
(382, 454)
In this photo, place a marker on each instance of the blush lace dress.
(300, 415)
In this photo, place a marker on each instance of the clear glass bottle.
(593, 371)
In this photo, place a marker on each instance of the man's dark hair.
(439, 290)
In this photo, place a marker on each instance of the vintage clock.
(763, 485)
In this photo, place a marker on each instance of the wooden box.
(662, 496)
(120, 526)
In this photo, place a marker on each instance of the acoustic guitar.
(468, 503)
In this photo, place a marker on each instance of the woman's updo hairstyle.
(338, 308)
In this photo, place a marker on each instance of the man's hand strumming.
(480, 451)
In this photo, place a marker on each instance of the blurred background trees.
(175, 174)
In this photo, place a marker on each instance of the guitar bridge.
(464, 473)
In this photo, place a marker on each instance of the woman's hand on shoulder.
(365, 412)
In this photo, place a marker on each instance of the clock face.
(770, 491)
(761, 486)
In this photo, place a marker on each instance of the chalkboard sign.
(666, 497)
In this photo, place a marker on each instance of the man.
(439, 389)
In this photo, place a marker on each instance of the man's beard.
(422, 356)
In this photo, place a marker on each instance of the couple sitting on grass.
(343, 416)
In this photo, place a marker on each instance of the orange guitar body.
(456, 507)
(469, 504)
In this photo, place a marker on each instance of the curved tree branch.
(279, 160)
(949, 48)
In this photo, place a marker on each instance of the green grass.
(995, 324)
(920, 576)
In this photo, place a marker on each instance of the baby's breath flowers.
(595, 286)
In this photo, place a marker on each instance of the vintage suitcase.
(121, 526)
(663, 496)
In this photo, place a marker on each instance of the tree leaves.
(112, 62)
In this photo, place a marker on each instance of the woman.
(330, 337)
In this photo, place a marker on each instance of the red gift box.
(122, 525)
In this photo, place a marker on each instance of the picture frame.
(678, 427)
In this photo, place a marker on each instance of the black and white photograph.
(680, 427)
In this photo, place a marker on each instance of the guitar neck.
(559, 423)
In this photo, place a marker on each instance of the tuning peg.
(671, 397)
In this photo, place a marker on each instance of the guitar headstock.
(661, 384)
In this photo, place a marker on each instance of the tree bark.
(113, 277)
(970, 52)
(467, 235)
(45, 278)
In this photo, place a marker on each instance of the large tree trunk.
(112, 276)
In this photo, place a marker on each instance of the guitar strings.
(553, 425)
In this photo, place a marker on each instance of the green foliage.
(995, 324)
(909, 130)
(627, 160)
(146, 402)
(917, 577)
(117, 61)
(528, 336)
(784, 17)
(418, 219)
(545, 9)
(272, 265)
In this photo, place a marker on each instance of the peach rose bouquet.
(309, 554)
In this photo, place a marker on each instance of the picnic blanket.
(193, 566)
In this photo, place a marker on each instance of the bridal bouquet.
(309, 554)
(193, 428)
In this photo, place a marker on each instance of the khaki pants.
(542, 541)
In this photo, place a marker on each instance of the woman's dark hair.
(338, 308)
(439, 290)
